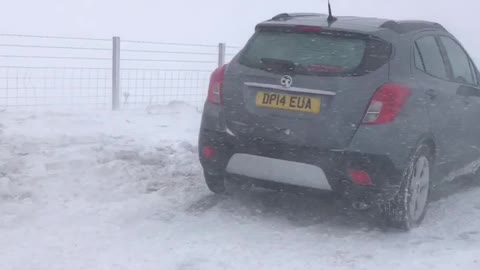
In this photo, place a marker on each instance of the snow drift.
(125, 191)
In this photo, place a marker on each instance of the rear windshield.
(321, 53)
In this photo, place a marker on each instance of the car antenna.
(331, 19)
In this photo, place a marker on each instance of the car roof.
(357, 24)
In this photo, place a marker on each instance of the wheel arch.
(429, 140)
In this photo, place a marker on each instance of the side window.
(430, 53)
(459, 60)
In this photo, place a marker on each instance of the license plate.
(288, 102)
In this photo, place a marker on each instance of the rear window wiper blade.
(268, 61)
(279, 65)
(285, 66)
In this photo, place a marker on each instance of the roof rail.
(409, 26)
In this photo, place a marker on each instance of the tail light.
(215, 88)
(386, 104)
(360, 177)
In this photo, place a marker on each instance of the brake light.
(324, 68)
(305, 28)
(215, 88)
(386, 104)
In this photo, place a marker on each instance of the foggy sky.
(213, 21)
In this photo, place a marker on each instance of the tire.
(409, 207)
(216, 183)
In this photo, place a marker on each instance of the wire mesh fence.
(24, 86)
(39, 71)
(161, 86)
(54, 71)
(159, 73)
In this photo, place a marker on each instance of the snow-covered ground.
(124, 190)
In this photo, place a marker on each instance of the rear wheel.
(409, 206)
(216, 183)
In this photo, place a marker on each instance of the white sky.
(212, 21)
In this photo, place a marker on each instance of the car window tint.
(313, 53)
(418, 60)
(307, 49)
(432, 57)
(459, 61)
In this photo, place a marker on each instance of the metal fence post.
(116, 74)
(221, 54)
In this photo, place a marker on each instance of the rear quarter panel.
(398, 139)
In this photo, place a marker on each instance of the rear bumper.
(386, 177)
(278, 170)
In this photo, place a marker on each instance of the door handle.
(432, 94)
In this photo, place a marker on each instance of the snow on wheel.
(419, 186)
(409, 207)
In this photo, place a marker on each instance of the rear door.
(304, 86)
(445, 106)
(464, 75)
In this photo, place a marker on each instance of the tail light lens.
(386, 104)
(215, 88)
(360, 177)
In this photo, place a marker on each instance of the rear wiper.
(277, 65)
(287, 66)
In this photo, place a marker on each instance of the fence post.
(221, 54)
(116, 74)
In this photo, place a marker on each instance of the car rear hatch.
(303, 85)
